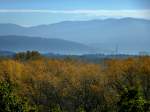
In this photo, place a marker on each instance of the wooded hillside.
(65, 85)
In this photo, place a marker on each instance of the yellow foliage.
(37, 77)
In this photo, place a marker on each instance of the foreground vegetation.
(32, 83)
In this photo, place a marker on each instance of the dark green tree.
(131, 100)
(29, 55)
(9, 102)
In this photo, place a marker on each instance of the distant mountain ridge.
(24, 43)
(6, 53)
(129, 33)
(82, 31)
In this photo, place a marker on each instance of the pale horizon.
(37, 12)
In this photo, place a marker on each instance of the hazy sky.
(35, 12)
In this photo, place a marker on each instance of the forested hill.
(24, 43)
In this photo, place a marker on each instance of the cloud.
(145, 14)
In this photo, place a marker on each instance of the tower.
(116, 49)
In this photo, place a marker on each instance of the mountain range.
(129, 34)
(7, 54)
(43, 45)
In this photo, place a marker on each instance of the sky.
(36, 12)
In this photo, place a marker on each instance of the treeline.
(65, 85)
